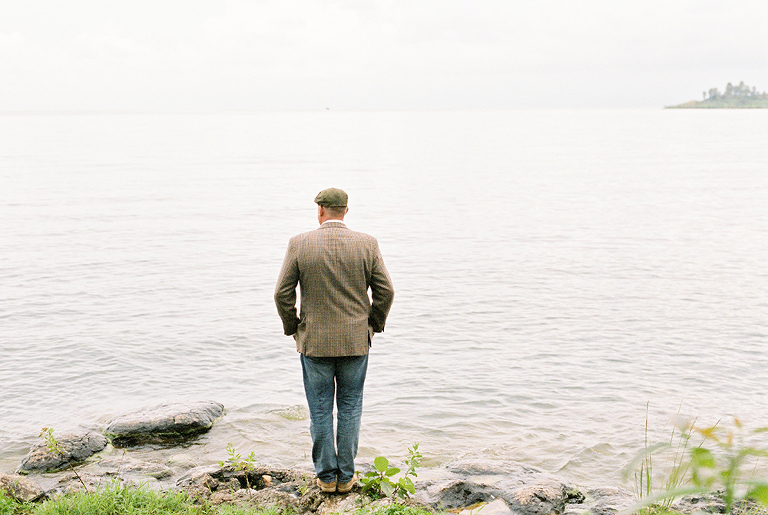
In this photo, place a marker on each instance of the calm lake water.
(555, 272)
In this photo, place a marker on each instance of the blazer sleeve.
(285, 290)
(382, 292)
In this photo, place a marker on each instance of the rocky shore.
(63, 464)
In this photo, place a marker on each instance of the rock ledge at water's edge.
(164, 422)
(461, 486)
(73, 448)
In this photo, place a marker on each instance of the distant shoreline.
(731, 103)
(740, 96)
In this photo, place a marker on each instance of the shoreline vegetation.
(734, 97)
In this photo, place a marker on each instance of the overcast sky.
(375, 54)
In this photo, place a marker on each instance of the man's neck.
(339, 220)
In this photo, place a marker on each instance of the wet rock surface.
(73, 448)
(120, 465)
(172, 421)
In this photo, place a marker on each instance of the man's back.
(334, 267)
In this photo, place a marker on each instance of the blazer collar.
(333, 223)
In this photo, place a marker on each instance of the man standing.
(334, 268)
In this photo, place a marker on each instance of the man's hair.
(336, 211)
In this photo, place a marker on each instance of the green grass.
(232, 509)
(117, 500)
(7, 505)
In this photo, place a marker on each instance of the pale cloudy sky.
(374, 54)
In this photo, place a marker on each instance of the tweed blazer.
(334, 268)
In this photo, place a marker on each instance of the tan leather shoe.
(343, 488)
(326, 487)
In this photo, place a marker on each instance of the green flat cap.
(332, 197)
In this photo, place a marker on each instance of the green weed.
(726, 465)
(379, 482)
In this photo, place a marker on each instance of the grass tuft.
(8, 506)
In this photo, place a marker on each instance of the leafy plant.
(380, 481)
(724, 466)
(721, 463)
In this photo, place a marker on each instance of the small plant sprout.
(239, 463)
(55, 447)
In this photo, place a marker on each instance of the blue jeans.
(323, 378)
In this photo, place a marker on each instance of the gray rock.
(524, 489)
(182, 462)
(119, 465)
(538, 499)
(542, 498)
(602, 501)
(268, 497)
(20, 488)
(74, 448)
(457, 494)
(198, 476)
(202, 482)
(705, 503)
(164, 422)
(341, 504)
(82, 481)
